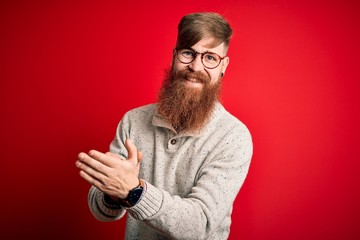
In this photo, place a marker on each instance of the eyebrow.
(207, 51)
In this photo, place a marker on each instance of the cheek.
(178, 66)
(214, 76)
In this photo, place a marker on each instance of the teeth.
(192, 80)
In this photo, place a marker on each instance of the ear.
(224, 65)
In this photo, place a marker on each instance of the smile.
(193, 80)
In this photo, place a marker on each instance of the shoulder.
(142, 111)
(223, 119)
(138, 118)
(228, 131)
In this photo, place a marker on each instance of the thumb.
(131, 148)
(139, 156)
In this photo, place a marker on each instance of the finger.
(132, 151)
(102, 158)
(93, 163)
(95, 174)
(115, 156)
(112, 154)
(91, 180)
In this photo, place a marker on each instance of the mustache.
(187, 74)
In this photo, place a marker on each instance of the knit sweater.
(191, 178)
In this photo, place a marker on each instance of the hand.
(109, 172)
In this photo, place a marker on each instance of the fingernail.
(82, 156)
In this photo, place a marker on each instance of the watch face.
(134, 195)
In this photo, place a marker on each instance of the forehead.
(209, 44)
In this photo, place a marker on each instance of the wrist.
(134, 196)
(111, 202)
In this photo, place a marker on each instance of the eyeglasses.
(210, 60)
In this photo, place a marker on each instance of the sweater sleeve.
(199, 215)
(98, 208)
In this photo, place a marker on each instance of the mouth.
(193, 80)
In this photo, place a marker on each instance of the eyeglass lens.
(208, 59)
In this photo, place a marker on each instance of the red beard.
(185, 107)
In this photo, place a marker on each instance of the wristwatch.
(134, 196)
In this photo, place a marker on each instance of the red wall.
(69, 70)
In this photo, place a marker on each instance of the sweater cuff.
(149, 204)
(98, 202)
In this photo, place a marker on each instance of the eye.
(187, 53)
(211, 57)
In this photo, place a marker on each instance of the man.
(193, 155)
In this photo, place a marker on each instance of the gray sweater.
(191, 178)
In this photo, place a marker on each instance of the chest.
(173, 163)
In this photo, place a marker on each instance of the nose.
(196, 65)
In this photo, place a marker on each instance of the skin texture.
(197, 66)
(107, 173)
(116, 178)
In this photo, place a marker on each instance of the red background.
(69, 70)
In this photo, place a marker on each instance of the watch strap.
(126, 202)
(110, 203)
